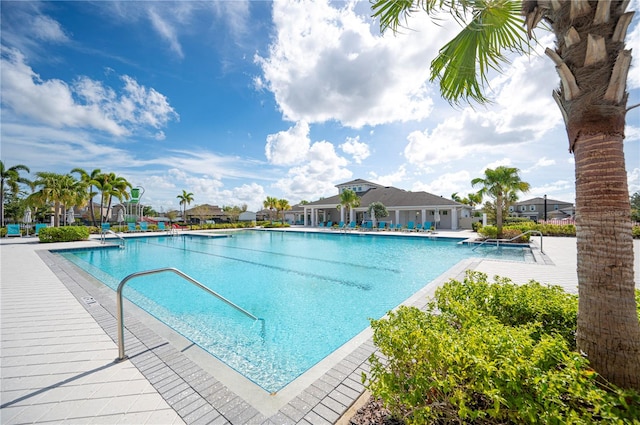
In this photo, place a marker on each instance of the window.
(510, 209)
(523, 208)
(555, 207)
(445, 212)
(532, 208)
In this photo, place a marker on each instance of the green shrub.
(476, 225)
(3, 232)
(488, 232)
(635, 231)
(480, 354)
(63, 234)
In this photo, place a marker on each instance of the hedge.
(63, 234)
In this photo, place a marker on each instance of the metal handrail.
(497, 241)
(103, 240)
(119, 303)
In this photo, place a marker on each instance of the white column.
(424, 215)
(397, 216)
(454, 219)
(342, 214)
(305, 217)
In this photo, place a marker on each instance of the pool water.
(315, 291)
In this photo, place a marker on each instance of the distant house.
(205, 213)
(534, 209)
(403, 207)
(247, 216)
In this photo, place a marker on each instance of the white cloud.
(358, 150)
(542, 162)
(46, 29)
(390, 179)
(84, 104)
(288, 147)
(317, 176)
(446, 184)
(326, 64)
(633, 180)
(166, 31)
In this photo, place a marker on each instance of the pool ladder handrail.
(497, 241)
(103, 237)
(119, 302)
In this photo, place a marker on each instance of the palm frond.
(463, 64)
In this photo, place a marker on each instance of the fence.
(558, 221)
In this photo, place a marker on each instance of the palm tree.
(9, 181)
(348, 200)
(270, 203)
(61, 190)
(592, 63)
(91, 180)
(185, 199)
(282, 205)
(501, 184)
(110, 185)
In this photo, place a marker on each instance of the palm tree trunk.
(608, 328)
(499, 207)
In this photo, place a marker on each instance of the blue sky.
(236, 101)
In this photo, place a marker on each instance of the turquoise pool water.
(315, 291)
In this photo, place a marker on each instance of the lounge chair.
(398, 227)
(427, 226)
(410, 226)
(131, 227)
(321, 224)
(105, 227)
(329, 224)
(352, 225)
(341, 225)
(161, 225)
(143, 226)
(382, 225)
(40, 226)
(419, 227)
(13, 230)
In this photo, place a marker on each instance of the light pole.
(545, 208)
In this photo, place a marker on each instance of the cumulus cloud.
(325, 63)
(316, 177)
(85, 103)
(359, 151)
(288, 147)
(390, 179)
(446, 184)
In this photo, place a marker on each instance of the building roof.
(540, 200)
(391, 197)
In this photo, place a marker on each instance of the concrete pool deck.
(58, 329)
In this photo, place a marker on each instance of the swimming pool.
(315, 291)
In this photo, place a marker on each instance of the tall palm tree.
(271, 204)
(110, 185)
(503, 185)
(348, 200)
(91, 180)
(185, 199)
(59, 190)
(282, 205)
(592, 62)
(10, 180)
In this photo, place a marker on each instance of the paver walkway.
(57, 351)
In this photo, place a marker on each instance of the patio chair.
(341, 225)
(105, 227)
(410, 226)
(131, 227)
(161, 225)
(143, 226)
(329, 224)
(13, 230)
(427, 226)
(398, 227)
(382, 225)
(352, 225)
(40, 226)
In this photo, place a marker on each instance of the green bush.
(635, 231)
(63, 234)
(476, 225)
(491, 353)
